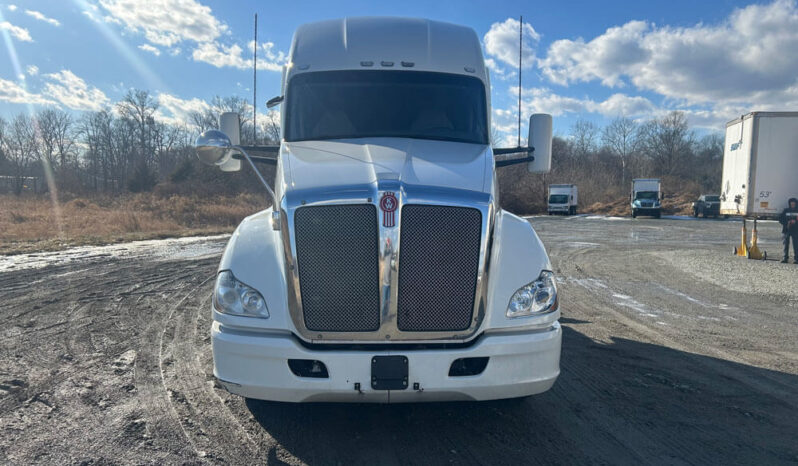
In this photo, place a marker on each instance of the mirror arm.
(267, 149)
(512, 150)
(508, 162)
(257, 159)
(240, 150)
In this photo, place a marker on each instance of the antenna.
(255, 87)
(520, 54)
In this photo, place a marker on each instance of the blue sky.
(583, 59)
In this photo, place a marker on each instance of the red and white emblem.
(388, 204)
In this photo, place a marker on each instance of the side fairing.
(255, 256)
(517, 258)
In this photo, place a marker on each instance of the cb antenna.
(255, 86)
(520, 54)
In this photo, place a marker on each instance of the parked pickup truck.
(386, 270)
(706, 205)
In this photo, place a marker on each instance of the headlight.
(233, 297)
(538, 297)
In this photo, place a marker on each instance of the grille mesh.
(438, 263)
(337, 257)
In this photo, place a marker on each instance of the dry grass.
(33, 224)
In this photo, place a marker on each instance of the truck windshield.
(558, 199)
(368, 103)
(712, 198)
(647, 195)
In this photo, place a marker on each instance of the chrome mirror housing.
(214, 147)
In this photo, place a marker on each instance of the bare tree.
(621, 138)
(20, 149)
(584, 137)
(138, 107)
(668, 142)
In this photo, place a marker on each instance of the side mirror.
(274, 101)
(230, 124)
(214, 147)
(540, 139)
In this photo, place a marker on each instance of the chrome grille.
(337, 256)
(438, 265)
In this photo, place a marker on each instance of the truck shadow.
(619, 402)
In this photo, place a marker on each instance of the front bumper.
(255, 365)
(647, 210)
(559, 208)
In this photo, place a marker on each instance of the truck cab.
(646, 197)
(563, 199)
(385, 271)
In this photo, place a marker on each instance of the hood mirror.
(214, 147)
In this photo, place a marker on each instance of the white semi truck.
(385, 270)
(563, 199)
(646, 197)
(760, 164)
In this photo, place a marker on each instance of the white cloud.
(41, 17)
(17, 32)
(166, 22)
(604, 58)
(268, 58)
(32, 70)
(222, 56)
(174, 110)
(747, 59)
(12, 7)
(501, 42)
(543, 100)
(73, 92)
(17, 94)
(149, 48)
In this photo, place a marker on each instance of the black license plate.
(389, 372)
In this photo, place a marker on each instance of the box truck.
(563, 199)
(385, 270)
(760, 164)
(646, 197)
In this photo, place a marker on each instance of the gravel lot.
(674, 352)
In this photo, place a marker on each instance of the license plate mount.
(389, 372)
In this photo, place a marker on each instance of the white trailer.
(646, 197)
(760, 164)
(563, 199)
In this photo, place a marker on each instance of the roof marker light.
(469, 69)
(366, 63)
(386, 63)
(408, 64)
(303, 67)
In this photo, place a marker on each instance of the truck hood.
(313, 165)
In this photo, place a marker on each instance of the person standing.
(790, 229)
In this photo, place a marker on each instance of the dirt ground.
(674, 352)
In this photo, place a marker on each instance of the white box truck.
(385, 270)
(563, 199)
(646, 197)
(760, 164)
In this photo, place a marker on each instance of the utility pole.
(520, 54)
(255, 86)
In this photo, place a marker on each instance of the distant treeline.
(128, 148)
(119, 149)
(603, 161)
